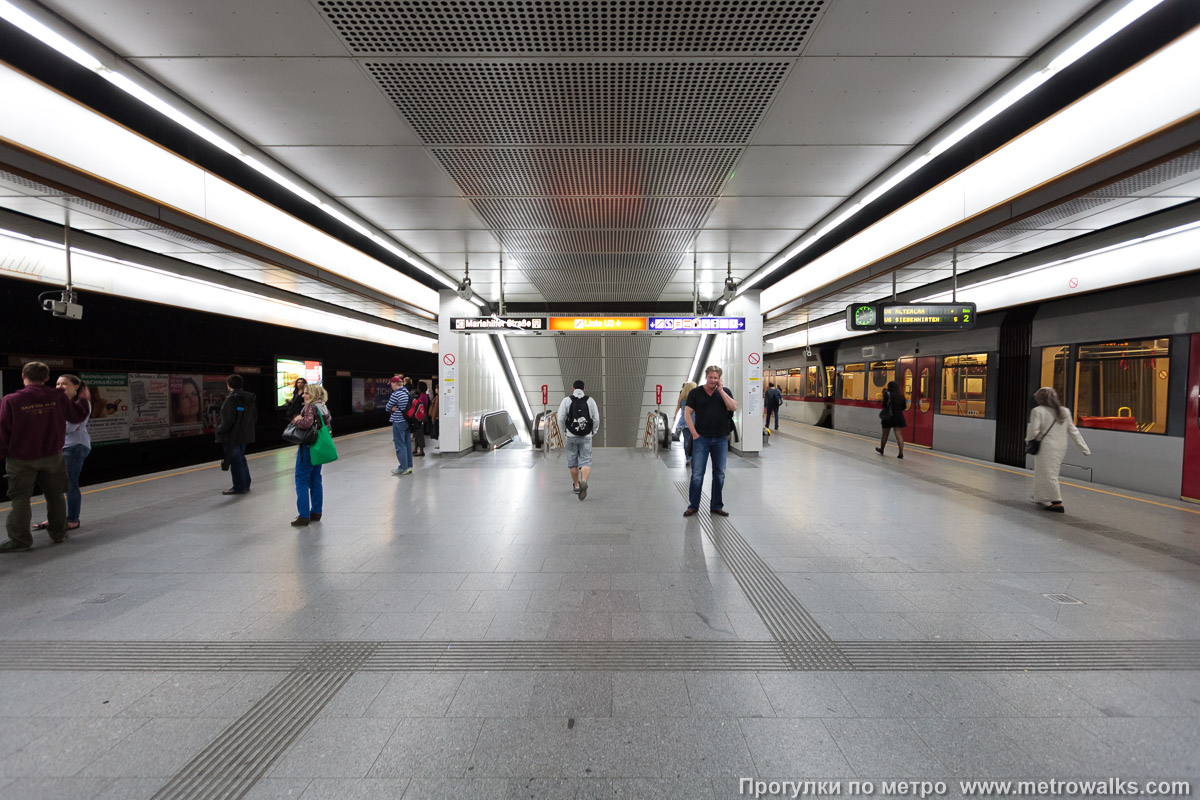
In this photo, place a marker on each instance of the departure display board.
(926, 316)
(910, 316)
(597, 324)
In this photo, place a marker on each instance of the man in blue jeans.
(397, 404)
(709, 417)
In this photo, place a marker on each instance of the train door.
(1191, 437)
(916, 379)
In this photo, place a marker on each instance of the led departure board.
(910, 316)
(926, 316)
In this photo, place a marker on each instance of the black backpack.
(579, 416)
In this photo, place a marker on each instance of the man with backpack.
(774, 400)
(397, 404)
(579, 418)
(235, 430)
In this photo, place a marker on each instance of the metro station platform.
(475, 631)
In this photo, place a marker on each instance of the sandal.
(73, 526)
(41, 526)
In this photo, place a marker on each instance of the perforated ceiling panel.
(613, 367)
(540, 27)
(594, 212)
(589, 102)
(570, 171)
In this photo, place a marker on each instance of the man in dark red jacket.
(33, 423)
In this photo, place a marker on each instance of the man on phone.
(709, 417)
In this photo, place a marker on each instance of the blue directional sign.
(698, 324)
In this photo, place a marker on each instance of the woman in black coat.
(296, 404)
(891, 417)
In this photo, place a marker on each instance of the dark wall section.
(120, 335)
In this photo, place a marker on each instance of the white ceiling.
(821, 113)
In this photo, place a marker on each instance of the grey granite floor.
(468, 554)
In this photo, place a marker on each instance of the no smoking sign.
(754, 358)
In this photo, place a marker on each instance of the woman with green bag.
(309, 458)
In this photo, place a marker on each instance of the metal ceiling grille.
(596, 242)
(686, 213)
(576, 171)
(39, 189)
(562, 278)
(613, 369)
(540, 27)
(1149, 179)
(631, 102)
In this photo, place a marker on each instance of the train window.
(882, 373)
(1123, 385)
(964, 386)
(811, 388)
(795, 382)
(853, 380)
(829, 380)
(1054, 369)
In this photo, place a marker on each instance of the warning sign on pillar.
(448, 359)
(755, 360)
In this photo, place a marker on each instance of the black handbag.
(885, 413)
(297, 435)
(1033, 445)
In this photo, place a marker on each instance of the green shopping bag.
(323, 450)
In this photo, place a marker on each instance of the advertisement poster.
(357, 394)
(109, 423)
(214, 395)
(187, 417)
(287, 371)
(149, 404)
(383, 391)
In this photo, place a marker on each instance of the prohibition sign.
(448, 359)
(1073, 283)
(754, 358)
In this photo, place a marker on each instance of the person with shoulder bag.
(1046, 440)
(309, 489)
(417, 415)
(891, 417)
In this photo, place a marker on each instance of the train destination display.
(910, 316)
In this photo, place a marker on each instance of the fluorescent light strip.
(96, 272)
(1102, 33)
(1152, 95)
(80, 56)
(1161, 258)
(700, 345)
(512, 366)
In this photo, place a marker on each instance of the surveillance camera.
(730, 290)
(65, 308)
(464, 289)
(808, 352)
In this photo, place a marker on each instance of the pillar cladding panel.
(613, 367)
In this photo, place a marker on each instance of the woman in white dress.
(1050, 421)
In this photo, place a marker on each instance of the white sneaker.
(406, 472)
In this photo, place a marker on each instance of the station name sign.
(910, 316)
(498, 324)
(697, 324)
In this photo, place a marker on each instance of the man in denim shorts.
(579, 419)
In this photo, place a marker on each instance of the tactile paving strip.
(1116, 534)
(781, 612)
(243, 753)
